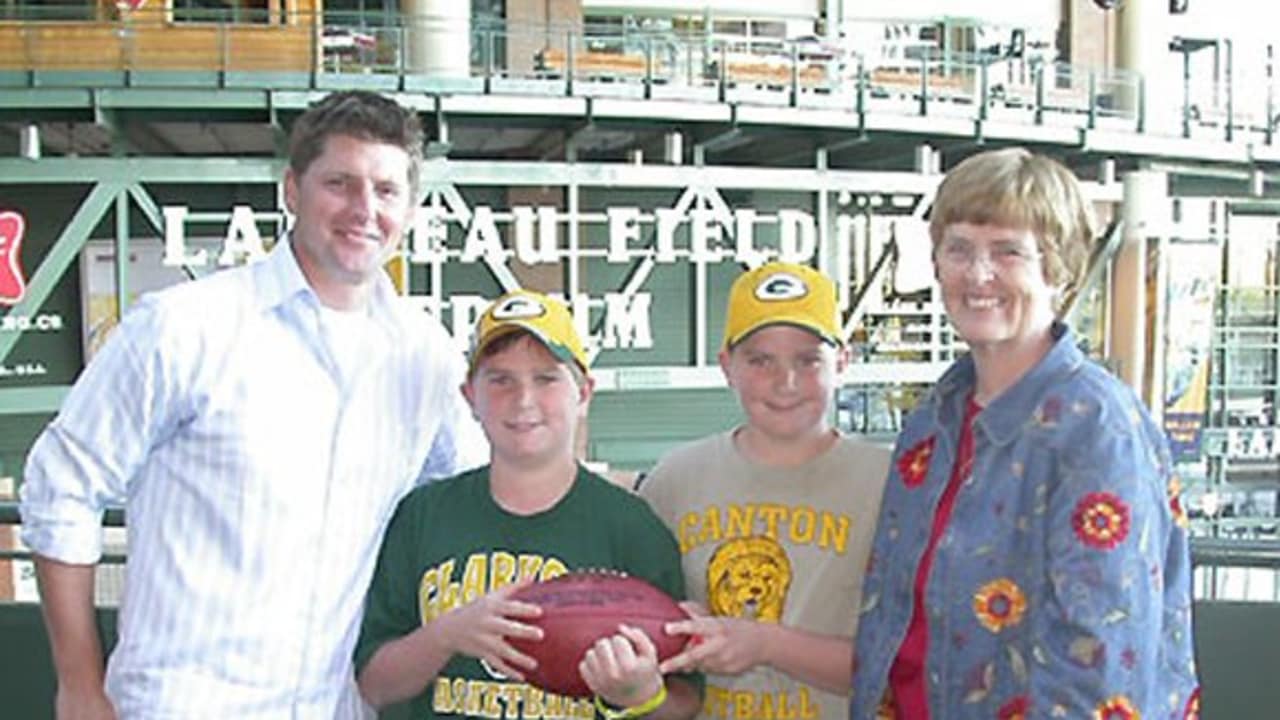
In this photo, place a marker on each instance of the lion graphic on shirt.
(748, 578)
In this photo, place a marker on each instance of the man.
(440, 613)
(774, 517)
(259, 426)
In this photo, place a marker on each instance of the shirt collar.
(1005, 416)
(280, 279)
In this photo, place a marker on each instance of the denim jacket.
(1062, 586)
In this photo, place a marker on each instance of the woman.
(1031, 557)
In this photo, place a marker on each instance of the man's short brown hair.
(360, 114)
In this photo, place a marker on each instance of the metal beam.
(532, 173)
(1112, 239)
(208, 170)
(204, 170)
(61, 255)
(27, 400)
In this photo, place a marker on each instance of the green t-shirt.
(449, 543)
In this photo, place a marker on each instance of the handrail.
(9, 515)
(1205, 551)
(1225, 552)
(382, 47)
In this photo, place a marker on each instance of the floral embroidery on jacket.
(1193, 706)
(1116, 707)
(1035, 582)
(1175, 502)
(1049, 412)
(914, 463)
(999, 604)
(1101, 520)
(1015, 709)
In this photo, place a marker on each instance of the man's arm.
(66, 593)
(82, 462)
(459, 443)
(732, 646)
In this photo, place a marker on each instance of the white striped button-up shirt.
(257, 475)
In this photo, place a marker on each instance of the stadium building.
(632, 157)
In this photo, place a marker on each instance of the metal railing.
(386, 50)
(1236, 570)
(109, 577)
(1230, 569)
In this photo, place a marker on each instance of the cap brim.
(798, 323)
(561, 352)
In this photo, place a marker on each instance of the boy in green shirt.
(440, 611)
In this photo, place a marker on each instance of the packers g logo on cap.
(518, 307)
(782, 293)
(547, 319)
(781, 286)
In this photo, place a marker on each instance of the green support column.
(122, 252)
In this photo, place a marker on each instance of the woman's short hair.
(1016, 188)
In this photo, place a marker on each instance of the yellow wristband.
(634, 711)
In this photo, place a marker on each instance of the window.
(221, 11)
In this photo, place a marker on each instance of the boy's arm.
(824, 661)
(622, 670)
(684, 700)
(732, 646)
(401, 668)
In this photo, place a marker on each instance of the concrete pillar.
(1144, 210)
(926, 160)
(439, 37)
(673, 148)
(1143, 48)
(29, 142)
(538, 25)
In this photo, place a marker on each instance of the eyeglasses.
(957, 256)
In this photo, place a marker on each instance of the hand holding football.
(580, 608)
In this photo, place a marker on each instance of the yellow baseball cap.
(780, 293)
(546, 319)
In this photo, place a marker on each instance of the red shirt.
(906, 675)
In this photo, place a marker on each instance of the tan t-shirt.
(774, 544)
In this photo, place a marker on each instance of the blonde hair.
(1015, 188)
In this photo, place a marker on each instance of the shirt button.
(933, 678)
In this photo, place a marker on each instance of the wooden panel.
(190, 47)
(230, 47)
(271, 48)
(61, 46)
(13, 48)
(156, 46)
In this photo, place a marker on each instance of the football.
(582, 607)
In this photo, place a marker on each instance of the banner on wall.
(1189, 318)
(46, 351)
